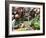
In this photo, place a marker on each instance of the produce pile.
(25, 19)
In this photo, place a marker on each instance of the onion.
(17, 16)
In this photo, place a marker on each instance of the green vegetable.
(36, 23)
